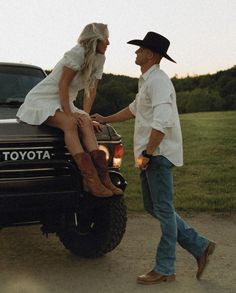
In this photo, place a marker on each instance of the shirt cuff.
(158, 126)
(132, 108)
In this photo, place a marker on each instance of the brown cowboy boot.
(90, 176)
(203, 260)
(100, 162)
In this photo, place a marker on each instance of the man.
(157, 148)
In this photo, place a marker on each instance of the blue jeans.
(157, 191)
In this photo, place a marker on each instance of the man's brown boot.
(100, 162)
(153, 277)
(90, 176)
(203, 260)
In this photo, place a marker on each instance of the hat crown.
(156, 42)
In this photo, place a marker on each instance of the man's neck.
(146, 66)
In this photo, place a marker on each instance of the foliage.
(211, 92)
(114, 93)
(199, 100)
(216, 92)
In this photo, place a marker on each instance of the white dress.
(43, 100)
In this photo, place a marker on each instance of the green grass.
(207, 181)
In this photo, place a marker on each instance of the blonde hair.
(88, 39)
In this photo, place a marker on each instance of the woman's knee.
(86, 126)
(69, 126)
(86, 121)
(61, 121)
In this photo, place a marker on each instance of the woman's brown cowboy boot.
(90, 175)
(100, 162)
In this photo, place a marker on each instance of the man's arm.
(124, 114)
(155, 139)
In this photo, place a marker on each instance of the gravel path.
(30, 263)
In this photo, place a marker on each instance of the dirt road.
(30, 263)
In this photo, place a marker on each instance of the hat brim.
(141, 43)
(136, 42)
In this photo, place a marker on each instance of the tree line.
(211, 92)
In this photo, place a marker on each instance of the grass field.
(207, 181)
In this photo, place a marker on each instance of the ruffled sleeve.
(74, 59)
(99, 63)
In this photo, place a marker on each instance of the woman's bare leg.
(70, 128)
(88, 135)
(62, 121)
(82, 159)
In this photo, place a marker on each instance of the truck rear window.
(16, 82)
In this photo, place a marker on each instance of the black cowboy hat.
(155, 42)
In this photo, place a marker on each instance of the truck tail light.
(118, 155)
(105, 149)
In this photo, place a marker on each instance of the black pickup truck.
(40, 183)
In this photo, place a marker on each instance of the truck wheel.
(98, 233)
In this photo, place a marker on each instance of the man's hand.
(98, 118)
(142, 162)
(97, 126)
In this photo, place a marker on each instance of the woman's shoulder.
(74, 58)
(77, 49)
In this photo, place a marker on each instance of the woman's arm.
(64, 83)
(90, 97)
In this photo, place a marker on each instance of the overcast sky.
(202, 32)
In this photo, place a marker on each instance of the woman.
(51, 102)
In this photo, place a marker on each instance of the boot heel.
(170, 278)
(211, 248)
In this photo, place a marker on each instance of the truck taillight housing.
(118, 155)
(106, 151)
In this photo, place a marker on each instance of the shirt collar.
(149, 71)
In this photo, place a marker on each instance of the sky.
(202, 33)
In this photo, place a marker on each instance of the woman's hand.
(83, 120)
(80, 119)
(98, 118)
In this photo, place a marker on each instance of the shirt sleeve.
(160, 93)
(99, 64)
(132, 107)
(162, 117)
(74, 59)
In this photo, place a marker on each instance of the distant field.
(207, 181)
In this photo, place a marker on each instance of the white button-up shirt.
(155, 108)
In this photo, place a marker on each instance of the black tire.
(98, 234)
